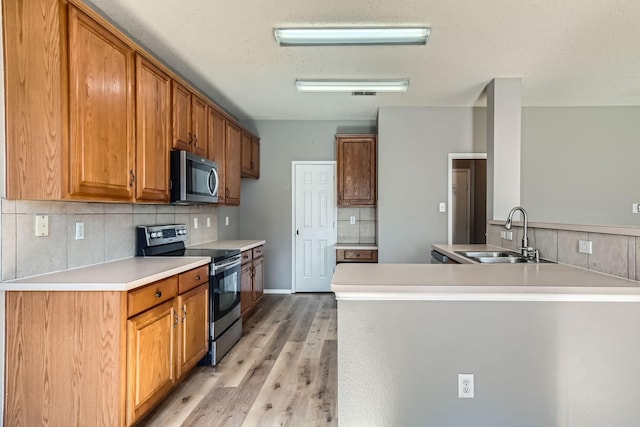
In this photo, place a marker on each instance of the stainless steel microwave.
(194, 179)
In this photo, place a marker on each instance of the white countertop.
(243, 245)
(121, 275)
(357, 246)
(477, 282)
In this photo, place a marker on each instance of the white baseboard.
(277, 291)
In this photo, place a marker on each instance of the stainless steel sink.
(488, 254)
(499, 257)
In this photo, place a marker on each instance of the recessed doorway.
(467, 194)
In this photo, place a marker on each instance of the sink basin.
(488, 254)
(499, 257)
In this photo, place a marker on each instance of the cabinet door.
(216, 134)
(151, 358)
(101, 112)
(199, 126)
(232, 177)
(153, 132)
(245, 150)
(356, 170)
(258, 279)
(35, 101)
(255, 157)
(193, 339)
(181, 98)
(246, 294)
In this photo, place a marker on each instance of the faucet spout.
(525, 238)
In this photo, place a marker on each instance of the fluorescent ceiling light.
(352, 36)
(399, 85)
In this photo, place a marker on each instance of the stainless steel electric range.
(224, 282)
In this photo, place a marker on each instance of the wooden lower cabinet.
(151, 358)
(356, 255)
(193, 334)
(102, 357)
(252, 280)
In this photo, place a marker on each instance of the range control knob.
(155, 234)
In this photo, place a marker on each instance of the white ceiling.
(567, 52)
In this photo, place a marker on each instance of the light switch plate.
(634, 208)
(42, 225)
(79, 230)
(443, 207)
(208, 222)
(226, 220)
(195, 223)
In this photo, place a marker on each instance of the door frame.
(452, 157)
(467, 172)
(295, 163)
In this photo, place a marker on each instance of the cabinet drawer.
(257, 252)
(192, 278)
(151, 295)
(247, 256)
(355, 255)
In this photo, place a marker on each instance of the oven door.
(225, 284)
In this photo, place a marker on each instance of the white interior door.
(461, 206)
(314, 226)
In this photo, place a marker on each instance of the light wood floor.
(283, 372)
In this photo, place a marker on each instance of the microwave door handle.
(213, 190)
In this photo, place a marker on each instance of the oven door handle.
(217, 268)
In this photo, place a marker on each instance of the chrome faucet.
(525, 250)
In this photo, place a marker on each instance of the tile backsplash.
(364, 229)
(109, 232)
(615, 254)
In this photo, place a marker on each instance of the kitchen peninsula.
(548, 345)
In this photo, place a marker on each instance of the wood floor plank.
(283, 372)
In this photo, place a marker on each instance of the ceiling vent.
(364, 93)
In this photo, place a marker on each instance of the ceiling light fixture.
(349, 36)
(398, 85)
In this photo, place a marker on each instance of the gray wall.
(535, 364)
(413, 147)
(580, 164)
(265, 209)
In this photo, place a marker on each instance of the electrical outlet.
(208, 222)
(195, 223)
(465, 386)
(42, 225)
(507, 235)
(79, 230)
(443, 207)
(634, 208)
(585, 247)
(352, 219)
(226, 220)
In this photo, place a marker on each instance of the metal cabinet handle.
(195, 140)
(175, 317)
(184, 313)
(158, 294)
(190, 138)
(198, 277)
(132, 178)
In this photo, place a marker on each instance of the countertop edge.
(25, 285)
(242, 245)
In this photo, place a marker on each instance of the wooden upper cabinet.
(181, 97)
(250, 167)
(101, 112)
(153, 132)
(356, 156)
(199, 126)
(255, 156)
(232, 168)
(35, 100)
(216, 135)
(245, 151)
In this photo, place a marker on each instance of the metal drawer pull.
(158, 294)
(198, 277)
